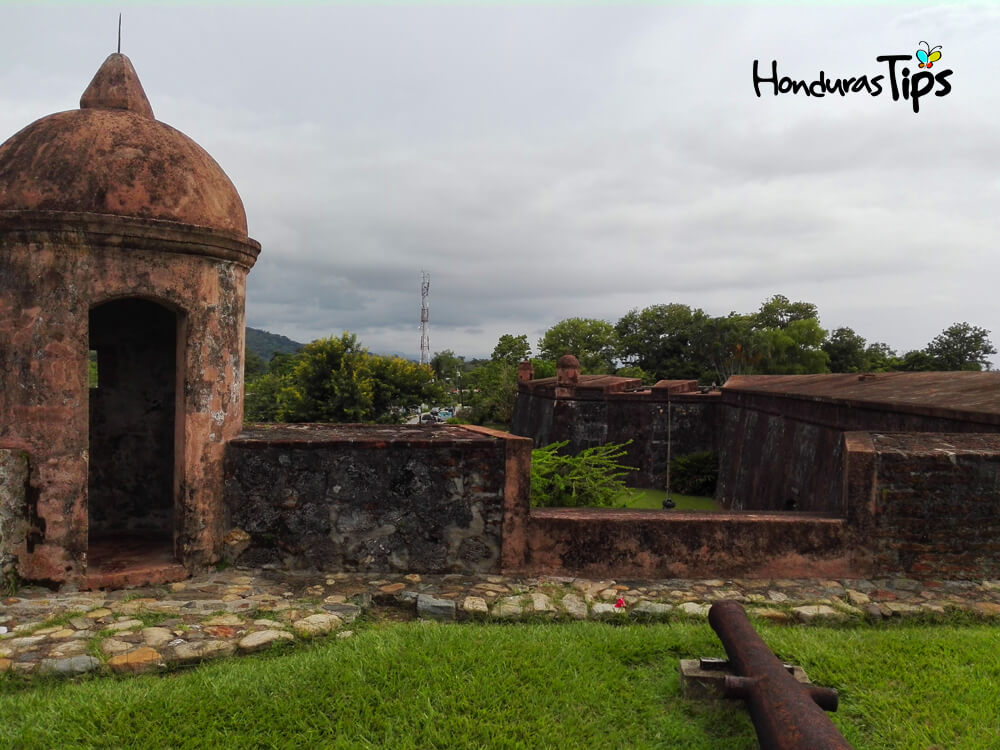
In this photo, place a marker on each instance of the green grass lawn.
(654, 499)
(581, 685)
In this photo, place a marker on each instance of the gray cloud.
(549, 161)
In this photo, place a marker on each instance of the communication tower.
(425, 314)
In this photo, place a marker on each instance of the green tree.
(260, 402)
(337, 380)
(512, 349)
(847, 351)
(543, 368)
(447, 364)
(282, 363)
(695, 473)
(400, 386)
(661, 340)
(593, 477)
(253, 365)
(632, 371)
(782, 337)
(729, 345)
(880, 357)
(93, 378)
(328, 383)
(961, 347)
(492, 385)
(779, 312)
(915, 361)
(795, 349)
(492, 392)
(592, 341)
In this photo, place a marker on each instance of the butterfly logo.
(929, 55)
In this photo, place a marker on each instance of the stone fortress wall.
(805, 477)
(435, 499)
(121, 238)
(618, 410)
(455, 499)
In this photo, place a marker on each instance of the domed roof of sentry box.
(112, 157)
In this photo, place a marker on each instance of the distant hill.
(408, 357)
(264, 344)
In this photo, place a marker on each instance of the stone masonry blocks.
(374, 498)
(13, 500)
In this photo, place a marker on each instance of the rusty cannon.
(786, 714)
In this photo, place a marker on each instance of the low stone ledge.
(595, 543)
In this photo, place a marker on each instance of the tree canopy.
(337, 380)
(846, 351)
(492, 386)
(675, 341)
(447, 364)
(493, 392)
(592, 341)
(729, 346)
(779, 312)
(793, 349)
(961, 347)
(663, 340)
(254, 364)
(511, 349)
(849, 352)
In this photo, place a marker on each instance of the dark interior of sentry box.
(131, 485)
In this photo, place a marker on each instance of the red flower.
(620, 603)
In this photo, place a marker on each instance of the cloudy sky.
(552, 160)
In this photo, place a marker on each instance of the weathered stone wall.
(771, 461)
(377, 498)
(779, 453)
(597, 543)
(595, 418)
(918, 505)
(533, 416)
(13, 504)
(926, 505)
(53, 271)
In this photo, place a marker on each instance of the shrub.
(592, 478)
(695, 474)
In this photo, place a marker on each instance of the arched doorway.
(132, 469)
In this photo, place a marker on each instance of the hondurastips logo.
(912, 88)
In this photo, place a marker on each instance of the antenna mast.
(425, 314)
(119, 33)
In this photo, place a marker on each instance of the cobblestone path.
(240, 611)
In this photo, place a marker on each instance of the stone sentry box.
(119, 236)
(433, 499)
